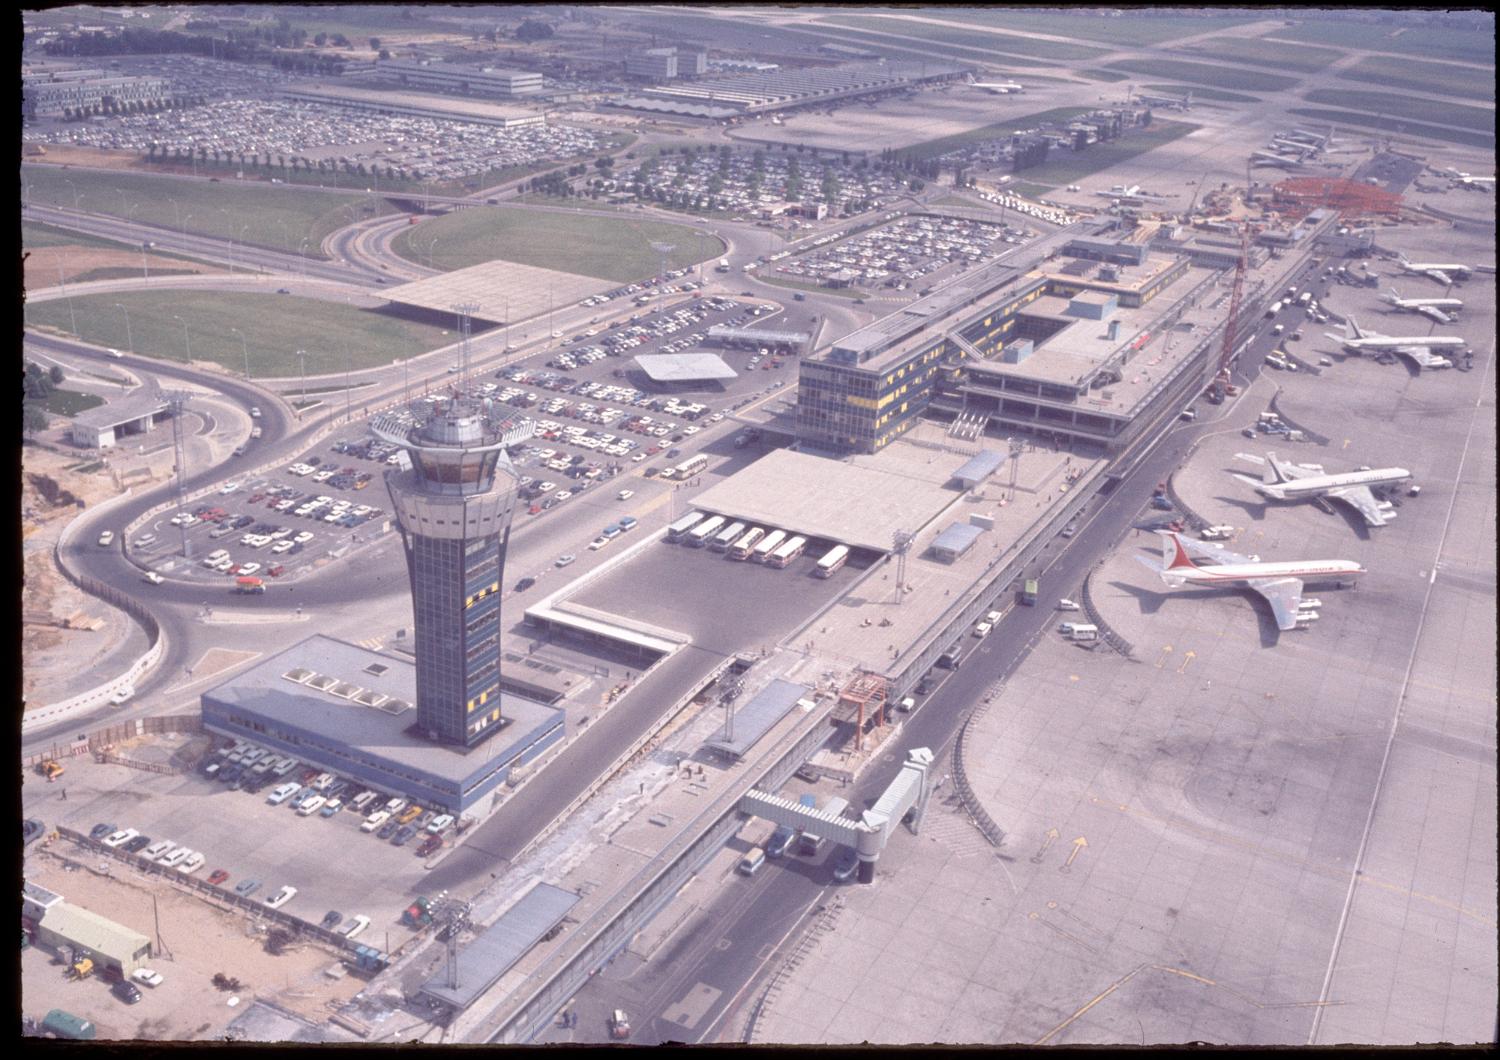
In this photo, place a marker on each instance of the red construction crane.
(1221, 384)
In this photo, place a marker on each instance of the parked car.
(245, 888)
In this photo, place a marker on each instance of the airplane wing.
(1250, 458)
(1215, 554)
(1432, 312)
(1361, 500)
(1283, 594)
(1440, 276)
(1423, 357)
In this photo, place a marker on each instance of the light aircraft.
(1121, 191)
(1182, 103)
(1283, 481)
(1266, 158)
(1279, 583)
(1000, 88)
(1443, 272)
(1431, 308)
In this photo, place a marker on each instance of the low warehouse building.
(59, 925)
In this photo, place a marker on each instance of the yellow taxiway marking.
(1187, 658)
(1166, 649)
(1078, 845)
(1047, 841)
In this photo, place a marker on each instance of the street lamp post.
(245, 350)
(70, 184)
(302, 360)
(145, 268)
(129, 343)
(187, 345)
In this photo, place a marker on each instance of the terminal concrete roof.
(665, 106)
(756, 336)
(754, 719)
(503, 291)
(122, 410)
(834, 500)
(496, 950)
(685, 367)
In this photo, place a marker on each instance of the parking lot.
(239, 120)
(901, 254)
(229, 830)
(741, 181)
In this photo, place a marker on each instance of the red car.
(217, 876)
(256, 498)
(276, 571)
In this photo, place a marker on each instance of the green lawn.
(803, 285)
(1027, 190)
(70, 402)
(1203, 74)
(1266, 53)
(1397, 125)
(334, 335)
(1403, 106)
(1073, 166)
(1102, 75)
(983, 40)
(1201, 93)
(1429, 42)
(609, 248)
(1442, 79)
(276, 217)
(1119, 32)
(944, 144)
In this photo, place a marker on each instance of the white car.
(228, 488)
(565, 560)
(353, 927)
(147, 976)
(598, 543)
(304, 537)
(152, 578)
(375, 820)
(281, 897)
(105, 538)
(283, 546)
(121, 837)
(193, 863)
(249, 568)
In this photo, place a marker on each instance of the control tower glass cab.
(454, 505)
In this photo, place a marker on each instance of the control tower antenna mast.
(465, 311)
(177, 401)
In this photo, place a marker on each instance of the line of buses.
(738, 541)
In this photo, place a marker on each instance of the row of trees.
(264, 43)
(111, 106)
(37, 385)
(286, 163)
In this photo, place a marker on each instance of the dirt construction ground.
(199, 939)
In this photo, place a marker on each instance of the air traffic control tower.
(454, 505)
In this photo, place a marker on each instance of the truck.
(1079, 631)
(1304, 298)
(60, 1024)
(50, 769)
(1275, 308)
(1028, 592)
(249, 585)
(722, 266)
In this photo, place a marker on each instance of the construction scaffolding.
(1298, 196)
(864, 690)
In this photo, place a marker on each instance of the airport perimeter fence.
(94, 742)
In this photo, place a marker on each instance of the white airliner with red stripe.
(1279, 583)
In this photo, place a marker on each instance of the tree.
(33, 419)
(55, 373)
(36, 383)
(531, 30)
(374, 44)
(320, 39)
(385, 53)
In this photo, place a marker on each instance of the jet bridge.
(868, 836)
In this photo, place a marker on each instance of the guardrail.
(975, 809)
(1106, 631)
(1194, 520)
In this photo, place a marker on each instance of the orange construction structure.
(865, 690)
(1298, 196)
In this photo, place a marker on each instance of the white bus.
(832, 561)
(683, 525)
(689, 467)
(786, 553)
(769, 544)
(698, 536)
(726, 537)
(746, 545)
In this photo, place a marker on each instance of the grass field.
(1440, 79)
(1203, 74)
(802, 285)
(1402, 106)
(1397, 125)
(609, 248)
(64, 402)
(1027, 190)
(944, 144)
(1070, 167)
(276, 217)
(35, 235)
(978, 38)
(1422, 41)
(334, 335)
(1102, 75)
(1202, 93)
(1113, 31)
(1266, 53)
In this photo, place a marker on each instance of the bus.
(786, 553)
(769, 544)
(698, 536)
(746, 545)
(832, 561)
(690, 467)
(683, 525)
(726, 537)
